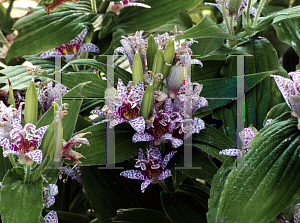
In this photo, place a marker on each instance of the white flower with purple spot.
(72, 48)
(74, 173)
(290, 90)
(24, 143)
(124, 107)
(48, 195)
(117, 6)
(153, 167)
(51, 217)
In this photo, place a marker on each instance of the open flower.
(133, 44)
(51, 217)
(124, 107)
(246, 136)
(47, 94)
(76, 141)
(174, 123)
(153, 167)
(25, 144)
(72, 48)
(48, 195)
(290, 90)
(117, 6)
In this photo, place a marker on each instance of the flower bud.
(147, 102)
(47, 144)
(11, 98)
(137, 69)
(151, 51)
(169, 54)
(158, 66)
(233, 7)
(175, 80)
(31, 104)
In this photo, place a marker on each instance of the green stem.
(225, 17)
(94, 8)
(248, 23)
(27, 174)
(7, 19)
(231, 23)
(163, 185)
(181, 178)
(258, 11)
(12, 160)
(75, 67)
(104, 6)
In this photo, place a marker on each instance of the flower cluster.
(153, 167)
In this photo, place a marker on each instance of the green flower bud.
(47, 144)
(11, 99)
(151, 51)
(31, 104)
(137, 69)
(158, 66)
(147, 102)
(175, 80)
(169, 54)
(234, 6)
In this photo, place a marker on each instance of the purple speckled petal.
(231, 152)
(138, 5)
(176, 142)
(121, 90)
(138, 124)
(269, 121)
(69, 57)
(164, 175)
(51, 217)
(88, 47)
(116, 121)
(168, 106)
(134, 174)
(50, 54)
(38, 136)
(198, 125)
(7, 144)
(285, 86)
(79, 39)
(297, 213)
(35, 155)
(167, 159)
(137, 91)
(146, 183)
(142, 137)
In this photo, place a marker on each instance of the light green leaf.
(20, 202)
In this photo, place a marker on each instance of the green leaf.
(39, 32)
(108, 191)
(18, 77)
(208, 168)
(275, 17)
(189, 204)
(262, 96)
(212, 141)
(5, 165)
(69, 120)
(205, 28)
(3, 40)
(132, 19)
(277, 110)
(137, 215)
(260, 194)
(21, 202)
(96, 153)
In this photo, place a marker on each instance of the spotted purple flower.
(48, 195)
(133, 44)
(290, 90)
(246, 136)
(117, 6)
(124, 107)
(51, 217)
(170, 124)
(47, 94)
(74, 173)
(24, 144)
(153, 167)
(72, 48)
(76, 141)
